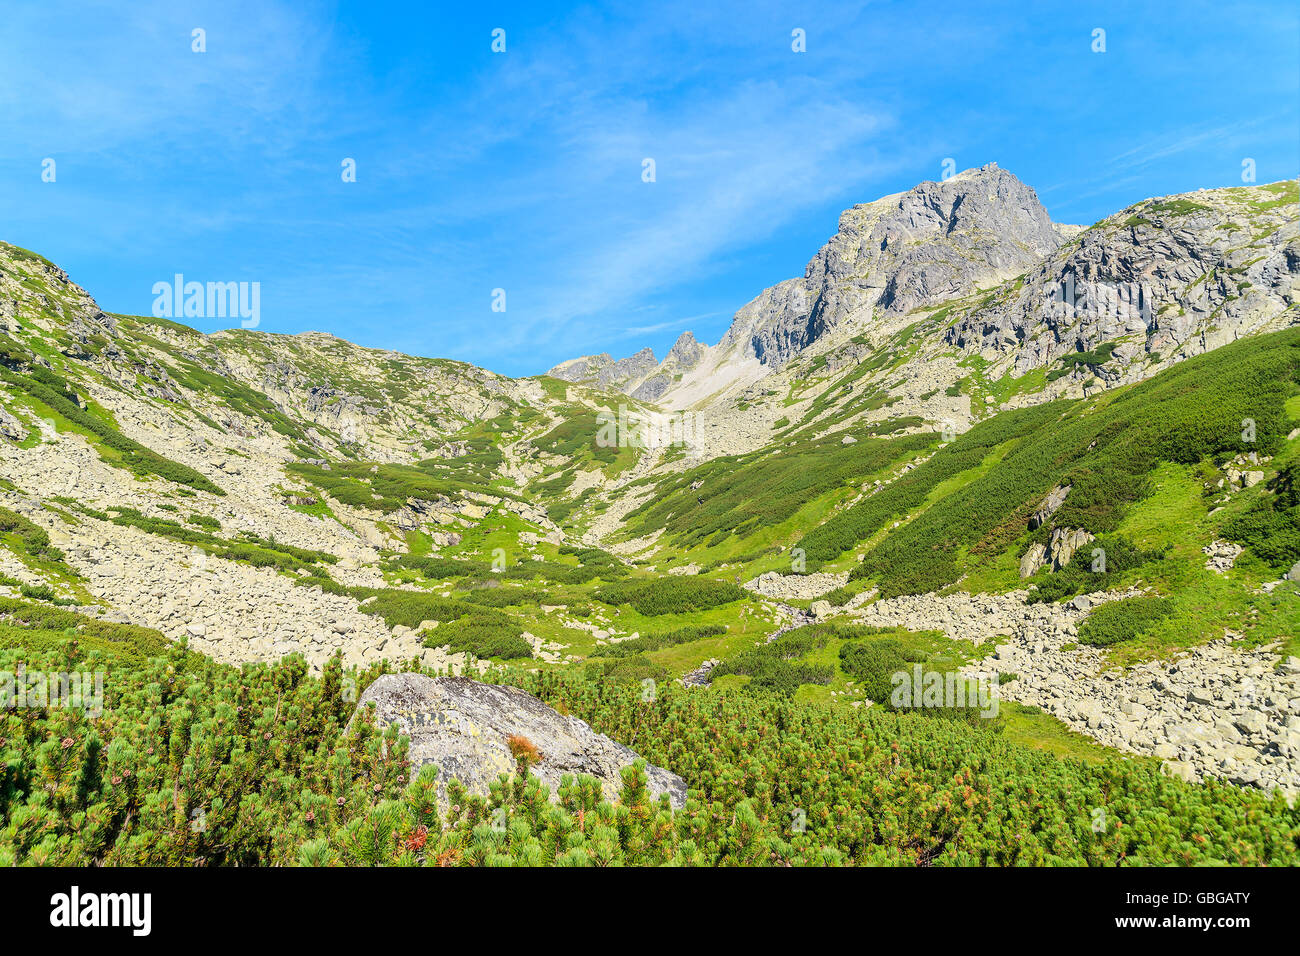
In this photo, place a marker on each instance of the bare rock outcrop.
(462, 726)
(1050, 504)
(934, 242)
(1057, 553)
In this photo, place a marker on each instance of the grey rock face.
(946, 237)
(603, 371)
(462, 726)
(1033, 559)
(1048, 506)
(685, 354)
(634, 366)
(1057, 553)
(778, 324)
(653, 387)
(1065, 541)
(975, 265)
(929, 244)
(583, 368)
(639, 375)
(11, 427)
(1181, 274)
(686, 351)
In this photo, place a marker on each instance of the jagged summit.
(686, 350)
(603, 371)
(888, 257)
(974, 265)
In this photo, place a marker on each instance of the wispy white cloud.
(1181, 141)
(682, 323)
(523, 171)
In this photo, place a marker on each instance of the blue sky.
(522, 170)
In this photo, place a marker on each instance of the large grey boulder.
(1033, 559)
(11, 427)
(1065, 541)
(462, 725)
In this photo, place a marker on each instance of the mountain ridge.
(796, 316)
(922, 464)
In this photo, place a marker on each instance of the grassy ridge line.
(901, 496)
(741, 495)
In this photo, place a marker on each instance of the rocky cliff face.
(685, 355)
(929, 244)
(922, 283)
(1173, 276)
(602, 371)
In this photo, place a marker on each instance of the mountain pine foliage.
(192, 762)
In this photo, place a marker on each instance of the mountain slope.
(957, 298)
(967, 405)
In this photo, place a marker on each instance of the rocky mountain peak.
(602, 371)
(974, 265)
(686, 351)
(931, 243)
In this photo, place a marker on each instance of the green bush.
(746, 493)
(872, 663)
(483, 634)
(776, 666)
(628, 669)
(30, 537)
(274, 764)
(387, 487)
(654, 642)
(671, 594)
(1123, 620)
(409, 608)
(440, 569)
(1270, 527)
(502, 596)
(1190, 412)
